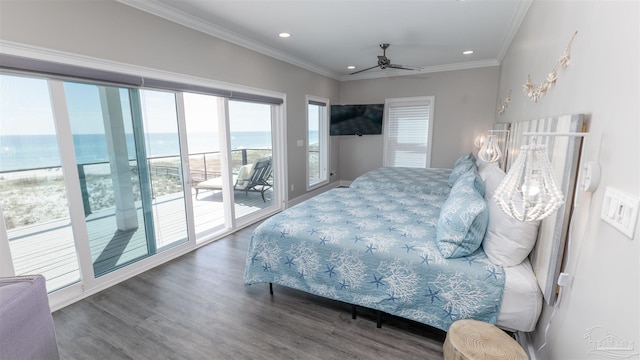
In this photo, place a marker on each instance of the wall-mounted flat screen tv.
(356, 119)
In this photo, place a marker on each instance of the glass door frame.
(73, 187)
(278, 151)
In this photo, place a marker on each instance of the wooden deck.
(49, 249)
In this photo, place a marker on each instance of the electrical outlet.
(293, 187)
(620, 210)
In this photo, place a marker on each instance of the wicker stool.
(477, 340)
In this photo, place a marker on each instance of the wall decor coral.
(502, 105)
(535, 92)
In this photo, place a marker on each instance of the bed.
(436, 181)
(414, 180)
(380, 244)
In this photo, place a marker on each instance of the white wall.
(115, 32)
(601, 81)
(464, 107)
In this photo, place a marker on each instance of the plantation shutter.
(408, 132)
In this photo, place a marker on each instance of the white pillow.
(507, 241)
(483, 164)
(492, 176)
(244, 175)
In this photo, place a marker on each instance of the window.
(317, 142)
(407, 132)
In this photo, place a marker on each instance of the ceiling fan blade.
(384, 62)
(404, 67)
(359, 71)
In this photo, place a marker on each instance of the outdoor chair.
(254, 177)
(259, 179)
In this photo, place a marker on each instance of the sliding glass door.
(164, 164)
(251, 146)
(110, 174)
(35, 227)
(203, 123)
(95, 178)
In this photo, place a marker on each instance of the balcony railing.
(22, 191)
(204, 166)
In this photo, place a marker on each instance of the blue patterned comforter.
(414, 180)
(378, 251)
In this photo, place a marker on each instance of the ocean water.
(18, 152)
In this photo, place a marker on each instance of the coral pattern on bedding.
(378, 251)
(413, 180)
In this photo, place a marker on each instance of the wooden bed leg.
(378, 319)
(270, 288)
(353, 312)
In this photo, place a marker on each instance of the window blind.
(19, 63)
(407, 135)
(317, 103)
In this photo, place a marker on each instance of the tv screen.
(356, 119)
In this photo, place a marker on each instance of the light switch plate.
(620, 210)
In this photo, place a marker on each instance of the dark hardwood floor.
(197, 307)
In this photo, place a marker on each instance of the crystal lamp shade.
(529, 191)
(490, 151)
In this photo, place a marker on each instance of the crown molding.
(514, 25)
(174, 15)
(181, 18)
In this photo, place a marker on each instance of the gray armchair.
(26, 324)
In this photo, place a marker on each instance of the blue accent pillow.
(463, 221)
(465, 157)
(471, 178)
(459, 169)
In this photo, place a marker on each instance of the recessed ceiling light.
(467, 52)
(351, 67)
(284, 35)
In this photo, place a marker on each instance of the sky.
(25, 107)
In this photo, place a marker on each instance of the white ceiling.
(329, 35)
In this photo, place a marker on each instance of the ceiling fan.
(384, 62)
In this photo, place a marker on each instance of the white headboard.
(564, 153)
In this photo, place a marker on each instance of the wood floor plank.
(196, 307)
